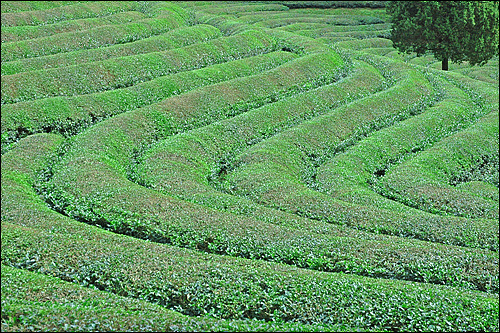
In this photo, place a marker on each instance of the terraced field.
(242, 166)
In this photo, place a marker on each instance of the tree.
(451, 30)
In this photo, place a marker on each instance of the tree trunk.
(445, 64)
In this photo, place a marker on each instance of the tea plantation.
(242, 166)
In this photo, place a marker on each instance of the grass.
(223, 166)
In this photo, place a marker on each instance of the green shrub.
(463, 152)
(276, 172)
(238, 9)
(114, 262)
(91, 38)
(33, 301)
(78, 10)
(229, 288)
(198, 284)
(348, 175)
(333, 4)
(203, 165)
(95, 198)
(126, 71)
(21, 6)
(333, 16)
(230, 186)
(180, 37)
(13, 34)
(365, 43)
(333, 20)
(77, 112)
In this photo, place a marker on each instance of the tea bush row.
(352, 34)
(172, 39)
(183, 165)
(487, 73)
(33, 301)
(190, 164)
(226, 99)
(365, 43)
(319, 28)
(19, 117)
(90, 184)
(301, 45)
(126, 71)
(333, 20)
(275, 172)
(486, 97)
(430, 191)
(198, 284)
(21, 6)
(78, 112)
(92, 38)
(333, 4)
(348, 175)
(227, 24)
(381, 51)
(235, 8)
(400, 72)
(78, 10)
(14, 34)
(226, 288)
(312, 16)
(376, 12)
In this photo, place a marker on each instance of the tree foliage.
(451, 30)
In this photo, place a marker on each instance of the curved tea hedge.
(79, 253)
(172, 39)
(13, 34)
(125, 71)
(77, 112)
(19, 6)
(265, 174)
(61, 12)
(242, 166)
(463, 152)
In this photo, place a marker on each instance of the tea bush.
(13, 34)
(124, 266)
(176, 38)
(464, 151)
(20, 6)
(75, 10)
(125, 71)
(91, 38)
(348, 175)
(242, 166)
(77, 112)
(33, 301)
(178, 222)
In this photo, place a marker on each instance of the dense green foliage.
(451, 30)
(242, 166)
(41, 14)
